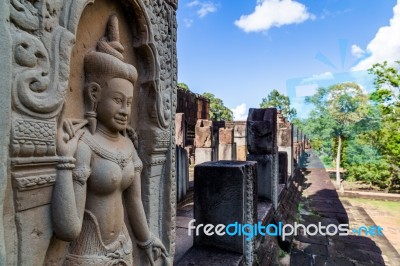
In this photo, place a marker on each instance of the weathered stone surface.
(290, 160)
(225, 193)
(203, 134)
(42, 50)
(202, 155)
(267, 176)
(239, 134)
(226, 136)
(283, 167)
(241, 152)
(227, 151)
(180, 130)
(295, 134)
(240, 130)
(262, 131)
(284, 135)
(182, 173)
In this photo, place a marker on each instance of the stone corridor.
(320, 203)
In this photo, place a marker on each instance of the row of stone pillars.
(238, 192)
(267, 137)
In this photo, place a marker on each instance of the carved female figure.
(100, 173)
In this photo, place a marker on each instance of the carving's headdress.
(105, 63)
(107, 60)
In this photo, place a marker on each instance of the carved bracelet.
(66, 163)
(146, 244)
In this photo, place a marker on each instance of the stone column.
(283, 167)
(182, 159)
(225, 192)
(203, 141)
(262, 147)
(295, 143)
(216, 125)
(285, 143)
(239, 134)
(226, 146)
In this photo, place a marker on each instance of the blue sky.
(241, 50)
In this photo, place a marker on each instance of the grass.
(384, 213)
(388, 206)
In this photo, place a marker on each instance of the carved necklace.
(107, 134)
(119, 158)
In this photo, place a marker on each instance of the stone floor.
(320, 203)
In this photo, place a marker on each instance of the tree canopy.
(218, 111)
(280, 102)
(363, 131)
(183, 86)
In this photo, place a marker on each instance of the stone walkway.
(320, 203)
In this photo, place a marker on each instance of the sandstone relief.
(56, 128)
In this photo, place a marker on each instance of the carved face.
(114, 107)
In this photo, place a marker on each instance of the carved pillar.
(204, 141)
(262, 147)
(41, 71)
(6, 205)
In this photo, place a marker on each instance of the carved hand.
(68, 134)
(157, 250)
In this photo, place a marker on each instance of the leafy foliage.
(371, 138)
(280, 102)
(218, 111)
(183, 86)
(337, 112)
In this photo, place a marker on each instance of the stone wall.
(195, 107)
(42, 79)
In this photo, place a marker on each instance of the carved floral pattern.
(34, 181)
(163, 22)
(33, 137)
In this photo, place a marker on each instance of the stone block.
(227, 152)
(290, 160)
(241, 152)
(225, 192)
(225, 135)
(202, 155)
(203, 134)
(294, 133)
(262, 131)
(284, 135)
(180, 129)
(267, 176)
(283, 167)
(182, 173)
(239, 131)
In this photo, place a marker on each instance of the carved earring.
(92, 96)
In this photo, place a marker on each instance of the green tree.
(338, 111)
(218, 112)
(347, 104)
(386, 139)
(183, 86)
(280, 102)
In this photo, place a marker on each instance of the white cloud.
(205, 8)
(357, 51)
(240, 112)
(273, 13)
(193, 3)
(188, 22)
(385, 45)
